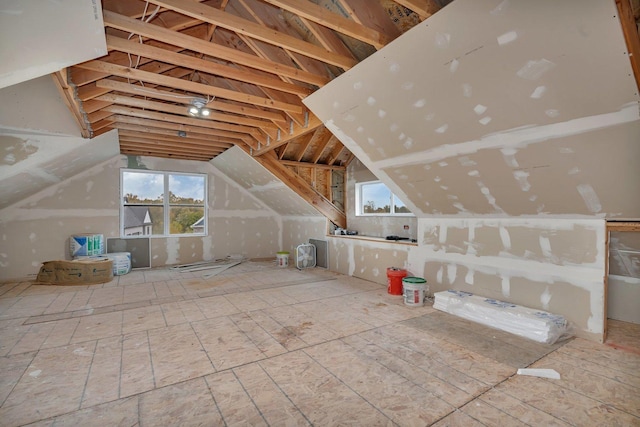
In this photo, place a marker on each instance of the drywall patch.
(545, 298)
(538, 92)
(507, 38)
(534, 69)
(590, 198)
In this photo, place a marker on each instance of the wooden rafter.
(255, 31)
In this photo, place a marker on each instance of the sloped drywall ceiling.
(498, 108)
(251, 175)
(42, 37)
(31, 162)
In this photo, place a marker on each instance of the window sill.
(374, 239)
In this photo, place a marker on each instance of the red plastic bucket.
(394, 280)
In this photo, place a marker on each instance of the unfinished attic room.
(320, 212)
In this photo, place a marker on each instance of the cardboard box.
(76, 272)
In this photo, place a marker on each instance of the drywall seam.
(512, 138)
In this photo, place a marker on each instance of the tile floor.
(260, 345)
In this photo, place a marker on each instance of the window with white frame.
(155, 203)
(375, 198)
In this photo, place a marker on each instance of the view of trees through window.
(376, 199)
(162, 203)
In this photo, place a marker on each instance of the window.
(162, 203)
(374, 198)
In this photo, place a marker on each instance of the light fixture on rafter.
(196, 109)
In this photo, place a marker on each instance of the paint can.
(282, 259)
(413, 290)
(394, 280)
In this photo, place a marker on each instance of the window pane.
(376, 198)
(399, 206)
(147, 188)
(186, 220)
(143, 220)
(186, 189)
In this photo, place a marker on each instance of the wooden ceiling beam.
(217, 142)
(170, 118)
(151, 125)
(170, 147)
(424, 8)
(136, 150)
(324, 17)
(102, 124)
(335, 153)
(98, 115)
(203, 65)
(68, 95)
(212, 49)
(312, 124)
(304, 145)
(326, 137)
(312, 165)
(256, 31)
(186, 99)
(372, 15)
(159, 79)
(182, 110)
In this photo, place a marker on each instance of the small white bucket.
(282, 259)
(413, 290)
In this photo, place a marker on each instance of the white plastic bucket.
(282, 259)
(413, 290)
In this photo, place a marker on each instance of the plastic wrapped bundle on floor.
(526, 322)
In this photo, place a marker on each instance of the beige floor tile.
(142, 319)
(610, 371)
(623, 361)
(458, 419)
(27, 306)
(394, 395)
(247, 301)
(596, 386)
(285, 337)
(569, 406)
(177, 355)
(98, 326)
(11, 370)
(489, 415)
(276, 408)
(139, 292)
(13, 289)
(162, 290)
(61, 334)
(33, 338)
(405, 364)
(236, 406)
(267, 344)
(520, 410)
(322, 398)
(80, 300)
(121, 413)
(103, 383)
(300, 325)
(191, 311)
(106, 297)
(186, 404)
(274, 297)
(60, 303)
(226, 345)
(137, 372)
(11, 332)
(216, 306)
(52, 385)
